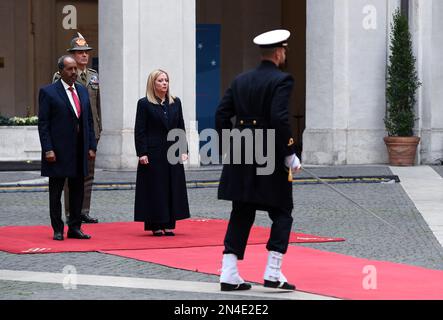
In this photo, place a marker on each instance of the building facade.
(338, 54)
(347, 55)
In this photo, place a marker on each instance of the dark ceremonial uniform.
(258, 99)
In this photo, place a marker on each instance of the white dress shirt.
(71, 99)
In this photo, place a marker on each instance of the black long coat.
(161, 187)
(57, 126)
(261, 95)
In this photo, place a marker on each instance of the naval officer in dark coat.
(67, 140)
(259, 99)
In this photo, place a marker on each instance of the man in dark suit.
(89, 78)
(67, 139)
(258, 100)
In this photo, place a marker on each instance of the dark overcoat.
(92, 84)
(258, 99)
(161, 191)
(58, 128)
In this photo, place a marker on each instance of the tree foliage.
(402, 81)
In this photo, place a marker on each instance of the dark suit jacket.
(58, 129)
(261, 95)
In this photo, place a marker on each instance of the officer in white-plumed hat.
(259, 99)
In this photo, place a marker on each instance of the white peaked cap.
(272, 39)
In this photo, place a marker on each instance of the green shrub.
(4, 121)
(17, 121)
(402, 81)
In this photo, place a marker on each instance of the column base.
(344, 147)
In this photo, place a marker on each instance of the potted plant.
(401, 88)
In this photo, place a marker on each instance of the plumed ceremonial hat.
(273, 39)
(79, 44)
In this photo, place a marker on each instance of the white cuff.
(292, 162)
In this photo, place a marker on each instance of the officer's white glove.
(293, 162)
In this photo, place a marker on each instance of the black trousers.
(242, 220)
(76, 190)
(88, 185)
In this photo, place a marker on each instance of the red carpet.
(130, 236)
(313, 271)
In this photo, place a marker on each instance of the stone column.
(136, 37)
(346, 77)
(426, 24)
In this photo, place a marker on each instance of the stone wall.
(19, 144)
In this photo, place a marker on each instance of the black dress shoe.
(279, 285)
(78, 234)
(157, 233)
(58, 236)
(87, 219)
(235, 287)
(168, 233)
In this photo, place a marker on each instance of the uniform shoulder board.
(92, 70)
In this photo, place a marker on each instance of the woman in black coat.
(161, 196)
